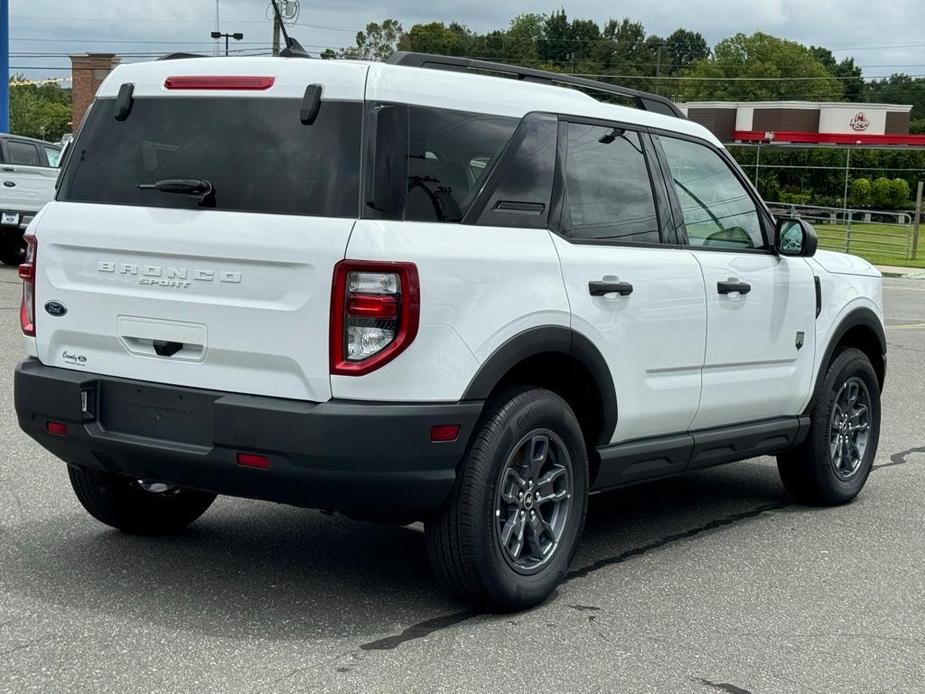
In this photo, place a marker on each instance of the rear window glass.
(255, 152)
(23, 153)
(450, 154)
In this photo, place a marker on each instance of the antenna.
(293, 48)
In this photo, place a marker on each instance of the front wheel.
(832, 465)
(511, 526)
(137, 506)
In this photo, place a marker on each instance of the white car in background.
(28, 171)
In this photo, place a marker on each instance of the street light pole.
(237, 36)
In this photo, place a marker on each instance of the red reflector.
(27, 272)
(444, 432)
(247, 83)
(372, 306)
(261, 462)
(57, 428)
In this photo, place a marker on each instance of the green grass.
(881, 244)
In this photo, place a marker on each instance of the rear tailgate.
(231, 295)
(251, 316)
(26, 188)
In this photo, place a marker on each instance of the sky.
(883, 37)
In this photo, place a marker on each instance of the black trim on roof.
(643, 100)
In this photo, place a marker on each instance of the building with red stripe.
(806, 122)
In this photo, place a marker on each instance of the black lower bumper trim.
(359, 457)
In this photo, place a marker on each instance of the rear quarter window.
(255, 152)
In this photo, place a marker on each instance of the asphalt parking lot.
(712, 582)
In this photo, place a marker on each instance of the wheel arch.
(563, 360)
(863, 330)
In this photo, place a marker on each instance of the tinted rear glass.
(255, 151)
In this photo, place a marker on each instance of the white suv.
(421, 291)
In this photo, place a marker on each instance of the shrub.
(900, 193)
(881, 194)
(859, 193)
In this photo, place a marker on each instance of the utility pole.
(4, 66)
(658, 67)
(218, 25)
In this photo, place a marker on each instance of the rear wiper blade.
(204, 189)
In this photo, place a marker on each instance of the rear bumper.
(351, 456)
(25, 216)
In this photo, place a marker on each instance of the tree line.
(681, 65)
(684, 67)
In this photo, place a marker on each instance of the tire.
(13, 250)
(465, 539)
(821, 471)
(124, 504)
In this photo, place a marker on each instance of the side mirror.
(795, 237)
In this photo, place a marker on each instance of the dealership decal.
(859, 122)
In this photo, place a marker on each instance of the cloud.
(878, 35)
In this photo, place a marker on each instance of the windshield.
(255, 152)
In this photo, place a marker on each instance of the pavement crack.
(20, 647)
(722, 686)
(420, 630)
(900, 458)
(676, 537)
(427, 627)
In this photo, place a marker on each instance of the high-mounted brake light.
(375, 312)
(27, 274)
(243, 82)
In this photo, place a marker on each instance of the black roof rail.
(181, 56)
(643, 100)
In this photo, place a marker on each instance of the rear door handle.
(733, 285)
(601, 288)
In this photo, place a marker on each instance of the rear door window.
(23, 153)
(607, 193)
(255, 152)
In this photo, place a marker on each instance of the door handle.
(733, 285)
(603, 287)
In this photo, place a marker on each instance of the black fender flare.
(858, 317)
(543, 340)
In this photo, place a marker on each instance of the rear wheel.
(137, 506)
(832, 465)
(12, 247)
(511, 526)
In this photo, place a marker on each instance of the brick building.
(87, 72)
(805, 122)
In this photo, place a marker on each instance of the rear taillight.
(27, 274)
(375, 311)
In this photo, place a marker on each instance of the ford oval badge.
(56, 308)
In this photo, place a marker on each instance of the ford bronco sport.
(423, 290)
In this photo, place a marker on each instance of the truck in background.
(28, 172)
